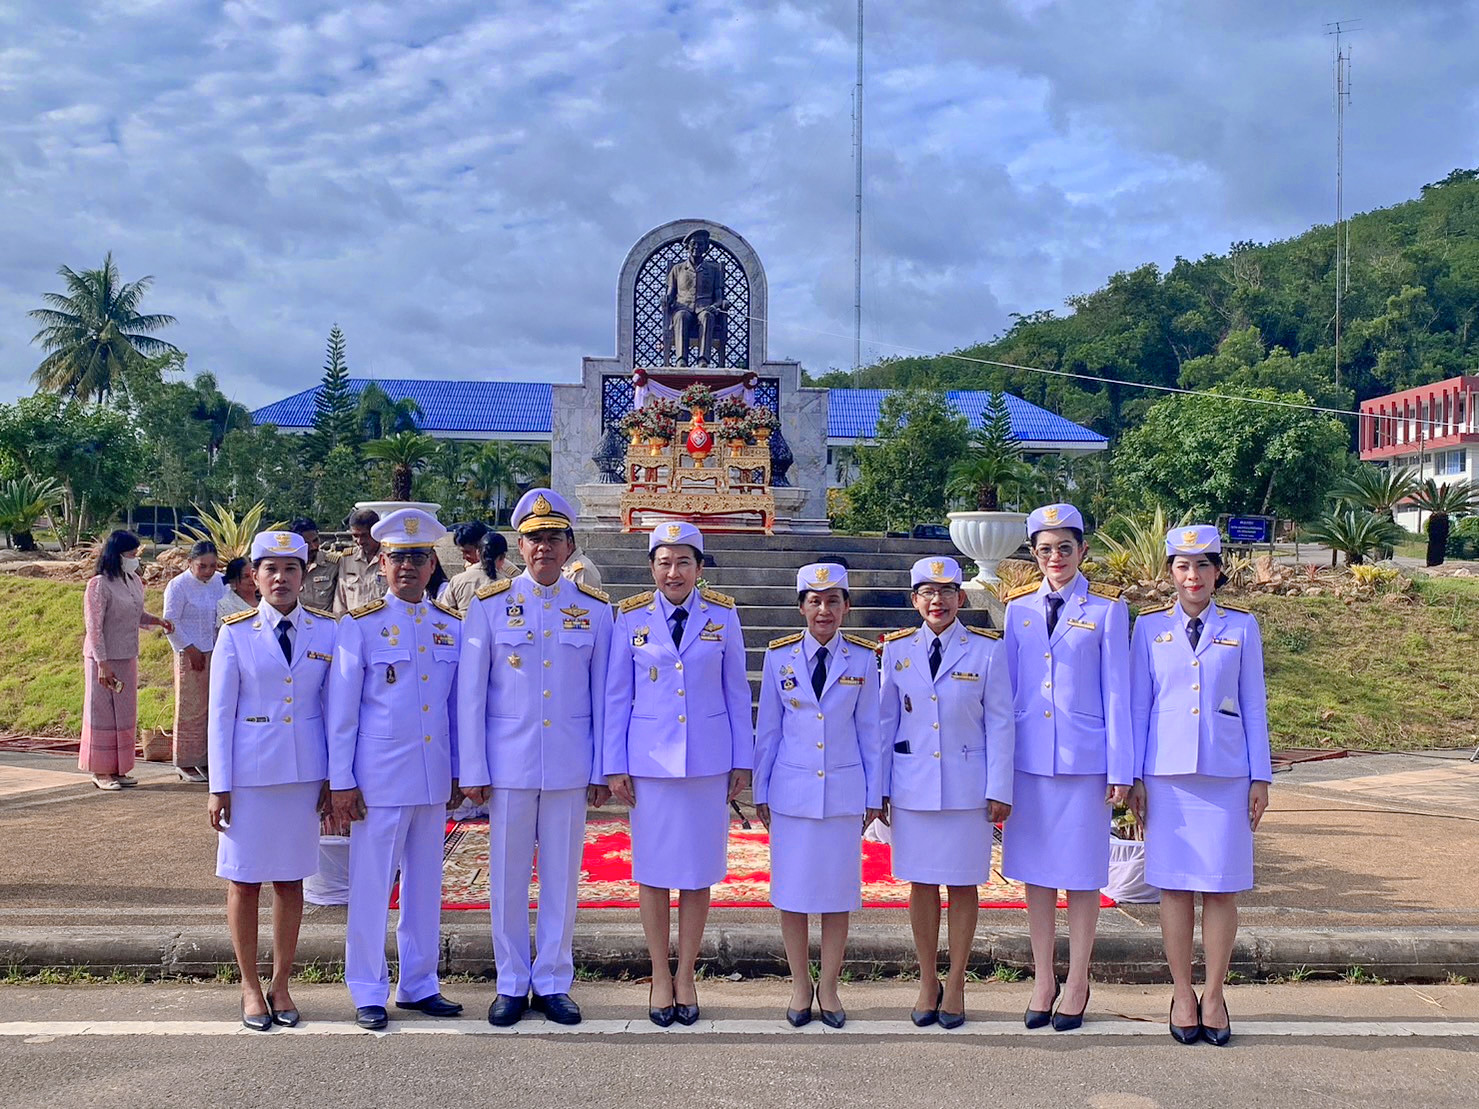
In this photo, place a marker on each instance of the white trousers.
(518, 819)
(409, 837)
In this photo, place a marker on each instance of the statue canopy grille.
(651, 288)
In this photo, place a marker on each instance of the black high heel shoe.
(661, 1017)
(923, 1018)
(1182, 1033)
(257, 1022)
(948, 1019)
(288, 1018)
(800, 1018)
(1039, 1018)
(1217, 1037)
(685, 1014)
(1067, 1022)
(832, 1018)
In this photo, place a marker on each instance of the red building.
(1431, 429)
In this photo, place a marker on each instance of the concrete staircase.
(759, 572)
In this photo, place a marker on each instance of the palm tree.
(499, 471)
(378, 416)
(223, 415)
(94, 332)
(23, 501)
(406, 452)
(1376, 490)
(1354, 534)
(1443, 502)
(993, 465)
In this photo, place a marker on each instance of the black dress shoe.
(686, 1014)
(288, 1018)
(1040, 1018)
(800, 1018)
(923, 1018)
(372, 1017)
(257, 1022)
(558, 1007)
(1067, 1022)
(1217, 1037)
(1182, 1033)
(507, 1009)
(834, 1018)
(434, 1006)
(663, 1017)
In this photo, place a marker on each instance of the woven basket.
(157, 745)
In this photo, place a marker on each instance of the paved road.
(1298, 1046)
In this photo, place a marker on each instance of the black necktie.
(1055, 605)
(680, 617)
(819, 672)
(935, 657)
(1194, 631)
(283, 628)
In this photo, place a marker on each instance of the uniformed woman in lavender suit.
(818, 780)
(1202, 769)
(678, 748)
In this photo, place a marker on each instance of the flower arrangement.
(666, 409)
(762, 417)
(633, 424)
(735, 430)
(697, 398)
(726, 407)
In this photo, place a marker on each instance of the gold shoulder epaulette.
(493, 588)
(238, 617)
(722, 599)
(862, 641)
(900, 634)
(1153, 609)
(320, 612)
(787, 640)
(1022, 591)
(989, 633)
(592, 591)
(1235, 607)
(573, 568)
(448, 609)
(1103, 589)
(365, 610)
(635, 602)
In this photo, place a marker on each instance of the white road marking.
(43, 1031)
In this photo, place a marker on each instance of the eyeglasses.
(930, 593)
(415, 558)
(1062, 550)
(545, 538)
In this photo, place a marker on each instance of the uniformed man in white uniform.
(531, 685)
(393, 769)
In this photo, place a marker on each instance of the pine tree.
(334, 408)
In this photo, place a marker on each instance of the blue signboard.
(1249, 529)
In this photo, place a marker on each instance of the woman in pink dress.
(113, 612)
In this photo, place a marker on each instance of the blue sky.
(456, 183)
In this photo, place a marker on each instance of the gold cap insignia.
(1189, 536)
(823, 573)
(412, 525)
(542, 507)
(674, 530)
(284, 540)
(1050, 514)
(937, 568)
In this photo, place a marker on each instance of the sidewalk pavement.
(1369, 861)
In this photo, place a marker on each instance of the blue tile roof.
(853, 414)
(510, 407)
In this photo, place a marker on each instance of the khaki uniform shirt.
(581, 570)
(319, 582)
(359, 582)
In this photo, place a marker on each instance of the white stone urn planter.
(385, 508)
(1127, 883)
(988, 537)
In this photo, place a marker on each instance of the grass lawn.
(41, 678)
(1372, 676)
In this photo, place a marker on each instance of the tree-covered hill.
(1409, 316)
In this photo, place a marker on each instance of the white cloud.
(456, 183)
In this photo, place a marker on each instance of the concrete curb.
(614, 951)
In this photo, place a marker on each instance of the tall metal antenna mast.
(1338, 30)
(857, 157)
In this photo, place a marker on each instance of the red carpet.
(606, 872)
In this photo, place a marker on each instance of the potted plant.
(697, 398)
(763, 421)
(992, 472)
(632, 424)
(735, 431)
(730, 406)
